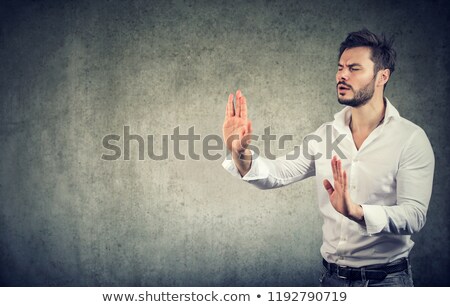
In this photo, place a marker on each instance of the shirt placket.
(353, 173)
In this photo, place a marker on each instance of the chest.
(359, 138)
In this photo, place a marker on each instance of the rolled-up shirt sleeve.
(414, 185)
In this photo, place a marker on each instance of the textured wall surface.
(74, 72)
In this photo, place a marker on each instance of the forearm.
(268, 174)
(402, 219)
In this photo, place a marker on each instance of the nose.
(342, 75)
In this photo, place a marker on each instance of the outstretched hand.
(339, 194)
(237, 128)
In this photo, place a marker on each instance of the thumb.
(249, 127)
(242, 138)
(247, 134)
(327, 185)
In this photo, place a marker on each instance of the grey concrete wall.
(72, 73)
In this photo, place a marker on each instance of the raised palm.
(237, 128)
(338, 193)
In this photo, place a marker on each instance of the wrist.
(245, 154)
(243, 161)
(357, 214)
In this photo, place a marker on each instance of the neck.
(367, 117)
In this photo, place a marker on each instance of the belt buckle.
(338, 272)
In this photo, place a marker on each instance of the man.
(376, 194)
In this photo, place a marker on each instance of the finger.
(242, 138)
(248, 133)
(238, 105)
(345, 181)
(327, 185)
(244, 108)
(230, 107)
(333, 168)
(249, 127)
(339, 170)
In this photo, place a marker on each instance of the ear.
(384, 76)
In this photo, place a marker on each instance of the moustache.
(345, 84)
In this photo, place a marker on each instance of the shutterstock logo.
(212, 146)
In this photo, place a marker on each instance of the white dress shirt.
(391, 176)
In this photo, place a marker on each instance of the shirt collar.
(342, 118)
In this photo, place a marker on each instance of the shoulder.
(407, 130)
(413, 140)
(400, 126)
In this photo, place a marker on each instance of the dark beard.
(361, 97)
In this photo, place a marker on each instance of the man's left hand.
(339, 194)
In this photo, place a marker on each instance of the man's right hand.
(237, 131)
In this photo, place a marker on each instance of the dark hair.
(383, 55)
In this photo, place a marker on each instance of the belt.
(370, 272)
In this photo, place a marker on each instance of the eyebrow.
(350, 65)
